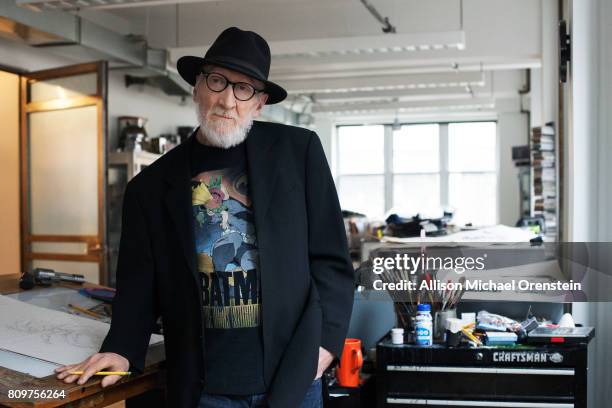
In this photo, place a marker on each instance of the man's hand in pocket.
(325, 359)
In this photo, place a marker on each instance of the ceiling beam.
(358, 45)
(367, 65)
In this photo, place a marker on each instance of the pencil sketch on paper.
(49, 334)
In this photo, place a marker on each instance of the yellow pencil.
(471, 336)
(82, 310)
(105, 372)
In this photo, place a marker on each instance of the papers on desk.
(494, 234)
(50, 335)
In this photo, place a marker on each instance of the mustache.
(218, 111)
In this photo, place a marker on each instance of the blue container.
(424, 325)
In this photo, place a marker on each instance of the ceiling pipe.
(387, 26)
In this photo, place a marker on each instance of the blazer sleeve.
(134, 311)
(330, 264)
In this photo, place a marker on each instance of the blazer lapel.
(263, 167)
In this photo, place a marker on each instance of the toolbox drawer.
(416, 403)
(542, 384)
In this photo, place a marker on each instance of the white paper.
(50, 335)
(493, 234)
(26, 364)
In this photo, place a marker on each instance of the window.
(416, 169)
(472, 165)
(420, 168)
(361, 181)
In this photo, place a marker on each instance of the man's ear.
(195, 87)
(263, 98)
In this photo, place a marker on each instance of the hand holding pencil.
(111, 365)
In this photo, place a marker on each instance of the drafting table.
(90, 394)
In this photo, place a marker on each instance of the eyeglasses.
(243, 91)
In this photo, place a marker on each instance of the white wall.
(325, 128)
(535, 98)
(584, 132)
(589, 168)
(511, 131)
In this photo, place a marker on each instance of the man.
(236, 239)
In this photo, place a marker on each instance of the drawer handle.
(483, 370)
(464, 403)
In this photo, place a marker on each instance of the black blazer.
(307, 280)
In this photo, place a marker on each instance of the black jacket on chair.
(307, 279)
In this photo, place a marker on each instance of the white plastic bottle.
(424, 325)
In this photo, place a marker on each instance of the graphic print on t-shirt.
(226, 248)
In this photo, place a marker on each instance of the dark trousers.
(312, 399)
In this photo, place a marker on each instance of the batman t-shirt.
(227, 262)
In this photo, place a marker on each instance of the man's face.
(225, 120)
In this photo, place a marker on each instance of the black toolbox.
(525, 376)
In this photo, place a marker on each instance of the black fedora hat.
(243, 51)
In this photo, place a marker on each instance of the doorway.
(63, 125)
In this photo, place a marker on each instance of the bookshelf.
(544, 198)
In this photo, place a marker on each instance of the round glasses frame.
(244, 92)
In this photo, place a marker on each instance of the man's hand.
(325, 359)
(95, 362)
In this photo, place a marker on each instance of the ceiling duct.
(157, 73)
(73, 37)
(38, 5)
(20, 32)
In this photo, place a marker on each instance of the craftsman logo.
(523, 357)
(556, 357)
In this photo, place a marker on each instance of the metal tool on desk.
(46, 277)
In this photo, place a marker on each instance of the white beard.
(221, 133)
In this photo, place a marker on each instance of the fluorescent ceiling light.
(385, 82)
(411, 106)
(370, 44)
